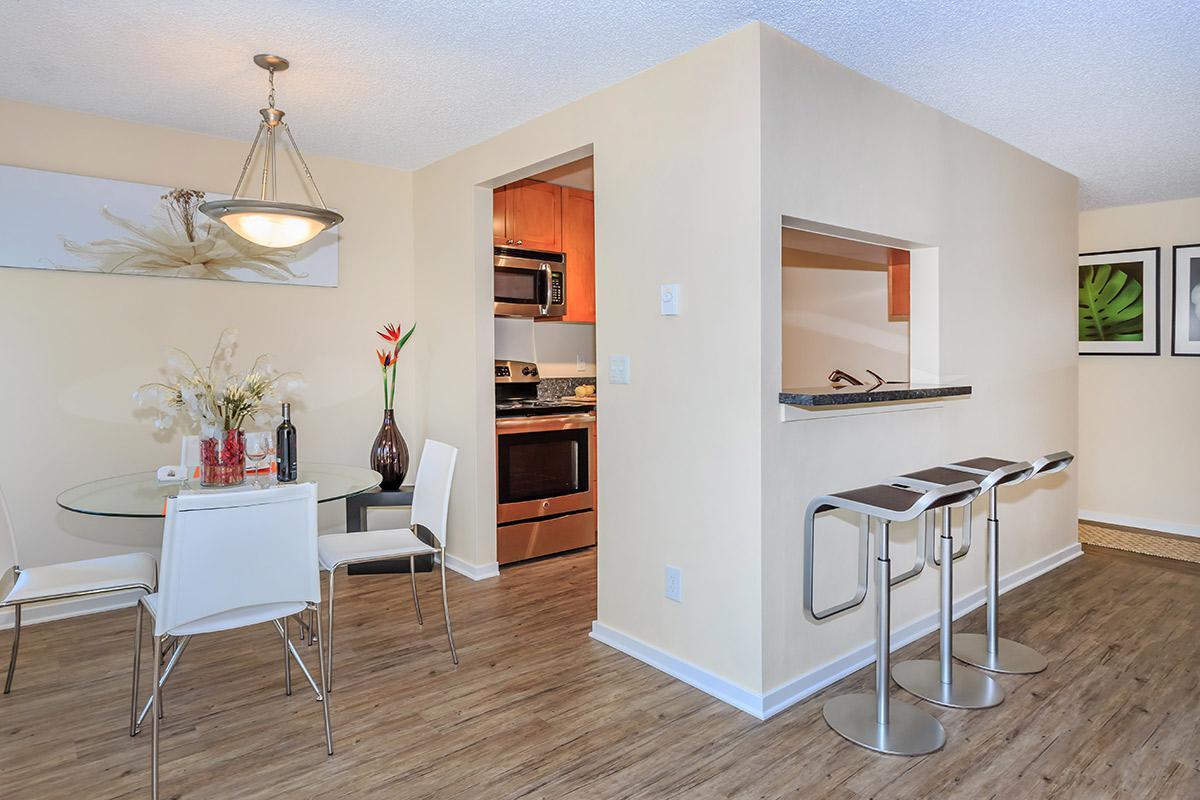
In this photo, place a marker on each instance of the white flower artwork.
(53, 220)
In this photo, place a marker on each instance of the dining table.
(143, 495)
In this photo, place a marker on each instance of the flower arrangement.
(389, 453)
(388, 358)
(217, 401)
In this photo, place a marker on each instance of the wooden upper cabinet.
(579, 245)
(499, 214)
(532, 212)
(898, 297)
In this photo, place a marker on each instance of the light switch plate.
(668, 296)
(618, 369)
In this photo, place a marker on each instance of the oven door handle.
(555, 421)
(548, 274)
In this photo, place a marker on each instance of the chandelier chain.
(307, 172)
(249, 158)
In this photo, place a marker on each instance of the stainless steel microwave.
(529, 283)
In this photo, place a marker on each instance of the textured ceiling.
(1107, 90)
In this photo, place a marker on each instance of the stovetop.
(541, 407)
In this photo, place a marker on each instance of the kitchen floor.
(537, 710)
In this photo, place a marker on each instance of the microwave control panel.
(556, 289)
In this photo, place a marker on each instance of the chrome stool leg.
(875, 721)
(989, 651)
(943, 682)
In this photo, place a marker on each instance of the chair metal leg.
(137, 668)
(328, 645)
(412, 574)
(155, 717)
(325, 687)
(287, 658)
(12, 661)
(446, 609)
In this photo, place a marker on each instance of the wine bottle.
(285, 447)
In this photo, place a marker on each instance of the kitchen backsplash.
(562, 387)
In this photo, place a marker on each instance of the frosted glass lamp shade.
(271, 224)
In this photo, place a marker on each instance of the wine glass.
(256, 451)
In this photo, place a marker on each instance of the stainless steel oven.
(546, 485)
(529, 283)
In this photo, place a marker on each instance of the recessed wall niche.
(845, 306)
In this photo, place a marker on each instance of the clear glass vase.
(223, 459)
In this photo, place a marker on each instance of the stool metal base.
(969, 689)
(910, 732)
(1010, 657)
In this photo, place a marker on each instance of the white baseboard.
(1177, 528)
(788, 694)
(476, 572)
(62, 609)
(726, 691)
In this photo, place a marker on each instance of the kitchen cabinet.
(579, 245)
(898, 299)
(528, 214)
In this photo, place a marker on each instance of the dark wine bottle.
(285, 447)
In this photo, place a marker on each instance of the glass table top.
(143, 495)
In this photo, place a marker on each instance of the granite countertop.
(854, 395)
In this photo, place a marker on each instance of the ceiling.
(1106, 89)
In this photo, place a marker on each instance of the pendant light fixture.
(267, 221)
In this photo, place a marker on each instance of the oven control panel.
(516, 372)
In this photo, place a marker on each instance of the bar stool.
(989, 651)
(875, 721)
(943, 682)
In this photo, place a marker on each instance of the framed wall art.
(54, 220)
(1118, 302)
(1185, 310)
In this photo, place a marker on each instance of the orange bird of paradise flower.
(393, 334)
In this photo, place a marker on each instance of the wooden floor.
(537, 710)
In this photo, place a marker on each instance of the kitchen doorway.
(544, 303)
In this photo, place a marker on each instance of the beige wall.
(676, 152)
(1004, 228)
(837, 318)
(1139, 437)
(77, 345)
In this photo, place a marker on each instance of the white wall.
(1139, 434)
(77, 345)
(561, 345)
(1004, 228)
(555, 347)
(837, 318)
(676, 153)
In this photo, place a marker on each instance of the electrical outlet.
(674, 585)
(580, 363)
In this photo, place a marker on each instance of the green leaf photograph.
(1111, 302)
(1118, 302)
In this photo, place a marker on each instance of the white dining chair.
(230, 560)
(23, 586)
(431, 503)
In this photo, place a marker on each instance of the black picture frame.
(1157, 251)
(1175, 299)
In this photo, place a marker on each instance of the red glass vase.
(223, 459)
